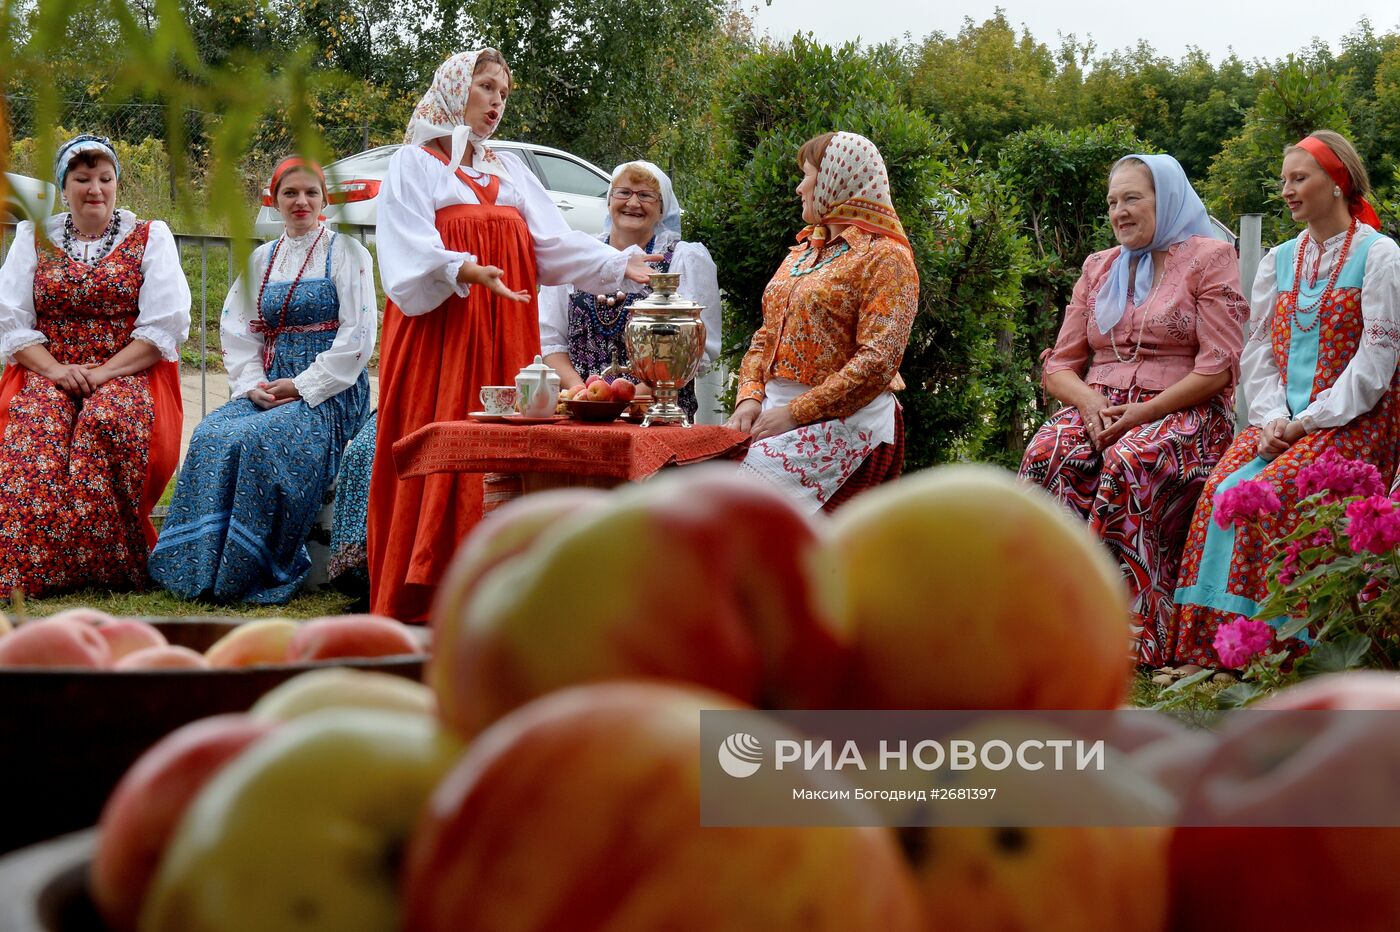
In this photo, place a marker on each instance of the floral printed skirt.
(1137, 496)
(1224, 571)
(73, 476)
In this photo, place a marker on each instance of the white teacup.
(499, 399)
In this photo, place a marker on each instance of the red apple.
(55, 642)
(144, 809)
(351, 636)
(599, 391)
(1229, 878)
(591, 379)
(581, 811)
(253, 643)
(127, 635)
(168, 657)
(88, 616)
(623, 390)
(510, 531)
(958, 579)
(736, 599)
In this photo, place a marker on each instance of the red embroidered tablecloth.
(618, 450)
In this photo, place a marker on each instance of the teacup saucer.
(487, 417)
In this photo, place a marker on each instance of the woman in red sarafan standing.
(465, 235)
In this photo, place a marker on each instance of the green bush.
(969, 255)
(1062, 177)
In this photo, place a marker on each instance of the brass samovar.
(665, 342)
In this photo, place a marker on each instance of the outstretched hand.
(489, 277)
(639, 267)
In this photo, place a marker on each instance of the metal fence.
(206, 289)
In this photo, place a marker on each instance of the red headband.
(292, 163)
(1322, 152)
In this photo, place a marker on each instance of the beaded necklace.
(269, 338)
(1142, 325)
(1331, 279)
(70, 233)
(610, 324)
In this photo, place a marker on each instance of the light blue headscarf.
(1180, 216)
(670, 207)
(87, 142)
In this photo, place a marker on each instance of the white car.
(578, 188)
(27, 198)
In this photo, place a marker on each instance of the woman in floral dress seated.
(581, 335)
(1319, 373)
(93, 309)
(298, 332)
(1145, 365)
(815, 387)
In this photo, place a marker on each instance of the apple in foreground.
(969, 590)
(1343, 751)
(143, 810)
(264, 641)
(302, 830)
(55, 642)
(339, 687)
(351, 636)
(737, 602)
(581, 811)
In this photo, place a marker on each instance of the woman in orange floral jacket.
(815, 388)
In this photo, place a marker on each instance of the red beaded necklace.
(270, 335)
(1331, 279)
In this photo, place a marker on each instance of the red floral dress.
(78, 477)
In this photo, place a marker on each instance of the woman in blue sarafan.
(258, 467)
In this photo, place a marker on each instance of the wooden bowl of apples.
(76, 718)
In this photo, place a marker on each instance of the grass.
(1199, 698)
(158, 603)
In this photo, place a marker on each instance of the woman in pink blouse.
(1145, 364)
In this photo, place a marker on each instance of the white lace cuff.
(315, 385)
(16, 340)
(169, 348)
(450, 270)
(246, 382)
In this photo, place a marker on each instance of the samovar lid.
(664, 296)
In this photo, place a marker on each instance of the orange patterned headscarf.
(853, 187)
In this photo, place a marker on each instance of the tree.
(985, 83)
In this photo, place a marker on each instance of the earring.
(1336, 191)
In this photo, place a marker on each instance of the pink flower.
(1338, 477)
(1239, 641)
(1374, 524)
(1245, 502)
(1289, 571)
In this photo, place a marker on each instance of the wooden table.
(564, 452)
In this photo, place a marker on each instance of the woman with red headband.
(1318, 373)
(298, 330)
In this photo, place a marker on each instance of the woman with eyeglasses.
(581, 333)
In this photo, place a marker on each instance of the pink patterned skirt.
(1138, 495)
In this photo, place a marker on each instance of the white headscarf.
(670, 220)
(440, 112)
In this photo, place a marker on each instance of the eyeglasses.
(626, 194)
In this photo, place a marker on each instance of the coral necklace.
(270, 333)
(1321, 302)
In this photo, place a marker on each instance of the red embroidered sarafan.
(78, 476)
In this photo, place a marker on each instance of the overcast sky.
(1252, 28)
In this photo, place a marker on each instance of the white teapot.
(538, 387)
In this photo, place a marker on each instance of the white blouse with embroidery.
(419, 273)
(163, 304)
(1365, 378)
(333, 370)
(699, 283)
